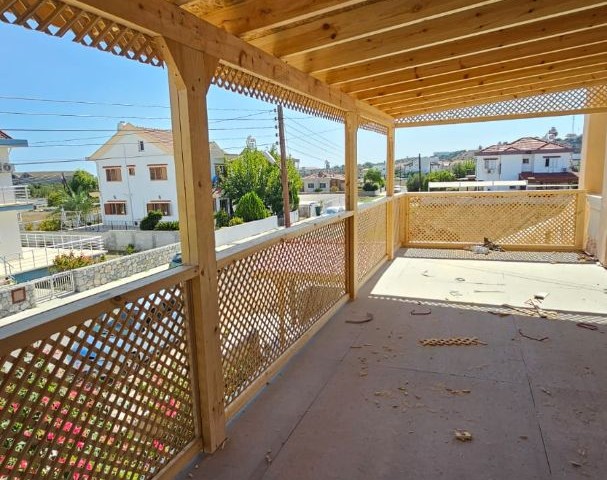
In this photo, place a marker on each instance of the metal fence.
(18, 194)
(57, 240)
(54, 286)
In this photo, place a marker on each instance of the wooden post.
(190, 73)
(351, 203)
(390, 193)
(284, 177)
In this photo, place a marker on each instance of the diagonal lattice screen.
(109, 397)
(269, 299)
(545, 218)
(371, 238)
(567, 102)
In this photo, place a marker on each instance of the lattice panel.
(271, 298)
(59, 19)
(372, 126)
(397, 222)
(244, 83)
(109, 397)
(542, 219)
(371, 238)
(567, 102)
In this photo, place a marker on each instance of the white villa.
(13, 199)
(136, 173)
(536, 160)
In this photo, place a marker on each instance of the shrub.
(318, 190)
(221, 219)
(334, 189)
(373, 175)
(50, 225)
(370, 186)
(250, 208)
(70, 261)
(130, 249)
(235, 221)
(174, 225)
(150, 221)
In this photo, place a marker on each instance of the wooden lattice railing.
(372, 245)
(535, 220)
(102, 389)
(272, 296)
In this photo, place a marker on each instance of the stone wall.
(141, 239)
(102, 273)
(7, 307)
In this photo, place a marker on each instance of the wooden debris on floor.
(463, 435)
(451, 342)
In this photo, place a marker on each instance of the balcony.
(14, 197)
(108, 386)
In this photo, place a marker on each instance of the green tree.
(250, 207)
(77, 201)
(373, 175)
(249, 172)
(463, 168)
(56, 198)
(436, 176)
(83, 181)
(253, 172)
(150, 221)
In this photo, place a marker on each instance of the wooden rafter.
(462, 26)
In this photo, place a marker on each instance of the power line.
(114, 104)
(113, 129)
(339, 147)
(122, 117)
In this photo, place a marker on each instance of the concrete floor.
(368, 402)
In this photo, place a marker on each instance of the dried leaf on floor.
(367, 319)
(537, 339)
(463, 435)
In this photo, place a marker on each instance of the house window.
(547, 162)
(490, 164)
(158, 172)
(131, 169)
(113, 174)
(310, 185)
(220, 170)
(322, 185)
(115, 208)
(163, 207)
(141, 146)
(525, 161)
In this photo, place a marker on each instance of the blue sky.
(63, 134)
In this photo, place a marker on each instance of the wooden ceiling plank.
(487, 42)
(158, 17)
(251, 16)
(500, 60)
(463, 26)
(499, 96)
(420, 91)
(357, 23)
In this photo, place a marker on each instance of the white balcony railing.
(14, 195)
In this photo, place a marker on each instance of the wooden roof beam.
(245, 19)
(563, 84)
(161, 18)
(359, 22)
(589, 63)
(523, 34)
(499, 60)
(462, 27)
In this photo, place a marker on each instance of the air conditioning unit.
(6, 167)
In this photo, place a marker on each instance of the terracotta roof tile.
(525, 145)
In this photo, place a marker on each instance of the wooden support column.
(190, 74)
(352, 203)
(390, 193)
(593, 153)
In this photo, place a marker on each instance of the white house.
(536, 160)
(136, 172)
(13, 199)
(323, 182)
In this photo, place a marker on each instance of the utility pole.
(283, 168)
(419, 164)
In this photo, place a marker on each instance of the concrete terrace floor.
(368, 401)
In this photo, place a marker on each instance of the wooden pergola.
(371, 64)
